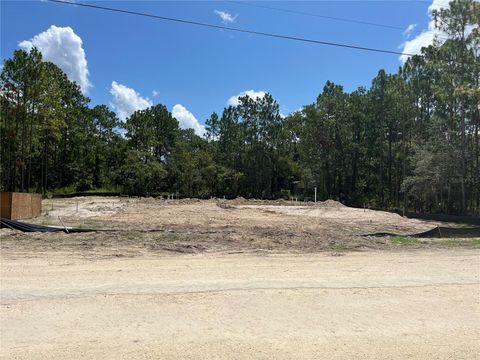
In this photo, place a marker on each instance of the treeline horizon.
(409, 141)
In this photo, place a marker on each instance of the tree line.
(410, 140)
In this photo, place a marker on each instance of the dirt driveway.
(418, 304)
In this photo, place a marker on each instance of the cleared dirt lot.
(235, 280)
(238, 226)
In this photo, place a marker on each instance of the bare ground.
(235, 280)
(194, 226)
(369, 305)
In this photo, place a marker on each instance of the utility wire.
(245, 31)
(297, 12)
(315, 15)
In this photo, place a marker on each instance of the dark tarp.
(438, 232)
(25, 227)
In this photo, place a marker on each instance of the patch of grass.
(460, 242)
(114, 189)
(406, 240)
(340, 247)
(403, 240)
(63, 190)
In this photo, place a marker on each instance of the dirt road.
(378, 305)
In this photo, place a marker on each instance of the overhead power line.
(239, 30)
(334, 18)
(297, 12)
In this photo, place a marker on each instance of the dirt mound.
(239, 201)
(188, 201)
(331, 204)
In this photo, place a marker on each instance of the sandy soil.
(370, 305)
(234, 280)
(194, 226)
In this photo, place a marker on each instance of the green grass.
(64, 190)
(406, 240)
(105, 190)
(457, 242)
(71, 189)
(403, 240)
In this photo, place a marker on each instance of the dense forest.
(410, 140)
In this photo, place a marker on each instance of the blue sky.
(130, 62)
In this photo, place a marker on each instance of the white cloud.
(154, 93)
(409, 29)
(414, 46)
(126, 100)
(233, 101)
(187, 120)
(64, 48)
(437, 5)
(226, 17)
(426, 38)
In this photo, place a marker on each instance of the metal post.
(315, 194)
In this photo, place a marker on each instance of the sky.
(130, 63)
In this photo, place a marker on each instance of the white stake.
(315, 194)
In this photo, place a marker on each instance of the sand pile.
(330, 204)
